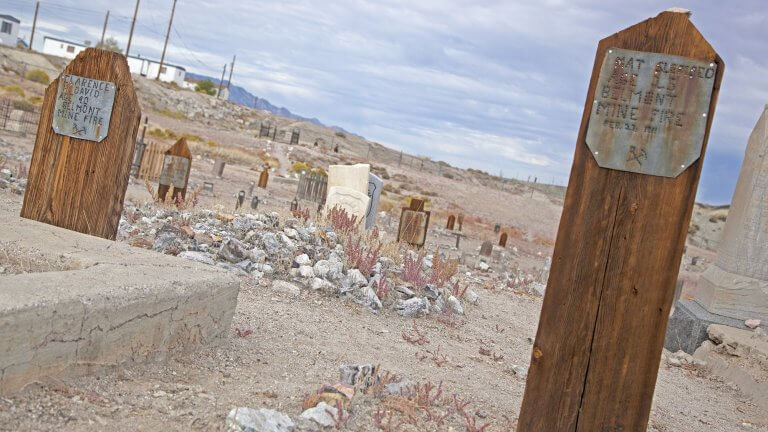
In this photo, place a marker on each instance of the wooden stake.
(76, 183)
(616, 259)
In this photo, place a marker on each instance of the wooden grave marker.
(451, 222)
(414, 224)
(176, 166)
(264, 178)
(460, 220)
(503, 240)
(596, 355)
(486, 249)
(84, 146)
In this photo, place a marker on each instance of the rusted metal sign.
(83, 107)
(175, 169)
(650, 112)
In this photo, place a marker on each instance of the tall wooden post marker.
(636, 168)
(84, 146)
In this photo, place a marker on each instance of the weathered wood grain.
(180, 148)
(596, 356)
(78, 184)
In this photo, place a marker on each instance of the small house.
(9, 30)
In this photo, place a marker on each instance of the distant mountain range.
(243, 97)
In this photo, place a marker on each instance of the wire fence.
(17, 116)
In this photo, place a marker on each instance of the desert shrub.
(38, 76)
(320, 171)
(205, 87)
(35, 100)
(298, 167)
(428, 193)
(23, 105)
(448, 176)
(412, 270)
(442, 270)
(361, 256)
(13, 88)
(192, 137)
(341, 134)
(385, 206)
(341, 221)
(178, 115)
(157, 132)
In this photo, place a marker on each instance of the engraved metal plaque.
(650, 112)
(175, 169)
(83, 107)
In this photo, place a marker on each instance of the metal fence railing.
(18, 116)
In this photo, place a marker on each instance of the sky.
(497, 85)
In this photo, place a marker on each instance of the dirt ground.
(298, 343)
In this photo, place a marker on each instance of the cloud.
(492, 84)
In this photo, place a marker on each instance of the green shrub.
(13, 88)
(38, 76)
(205, 87)
(300, 166)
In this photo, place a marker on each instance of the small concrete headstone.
(497, 228)
(255, 202)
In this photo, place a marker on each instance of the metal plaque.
(83, 107)
(650, 112)
(175, 169)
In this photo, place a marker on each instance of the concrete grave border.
(118, 305)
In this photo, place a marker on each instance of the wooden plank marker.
(651, 101)
(176, 166)
(414, 223)
(264, 177)
(84, 146)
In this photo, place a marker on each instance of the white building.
(148, 68)
(62, 48)
(9, 30)
(138, 65)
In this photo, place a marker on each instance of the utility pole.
(231, 68)
(133, 24)
(167, 35)
(104, 30)
(221, 81)
(34, 24)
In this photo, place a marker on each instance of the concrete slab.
(115, 304)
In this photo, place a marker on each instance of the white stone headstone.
(354, 202)
(736, 285)
(349, 176)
